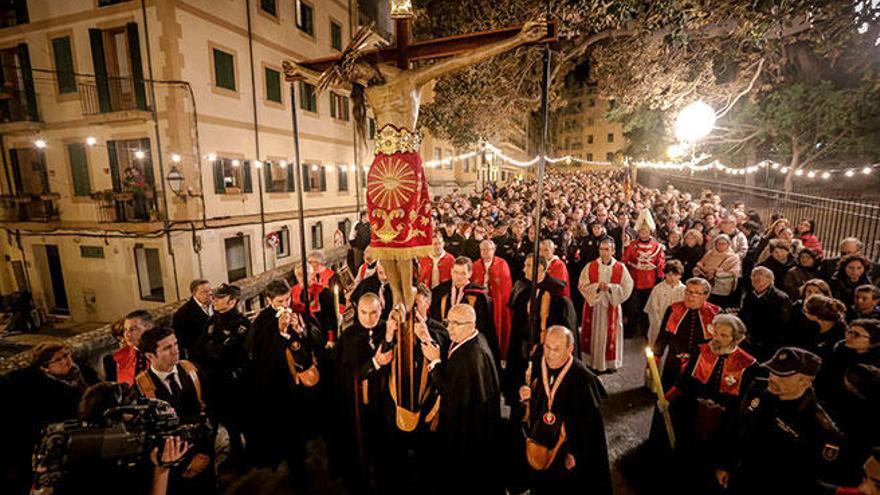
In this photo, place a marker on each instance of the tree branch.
(744, 92)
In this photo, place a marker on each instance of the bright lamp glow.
(91, 140)
(175, 158)
(675, 151)
(694, 122)
(139, 154)
(866, 170)
(236, 163)
(850, 173)
(40, 144)
(212, 157)
(282, 164)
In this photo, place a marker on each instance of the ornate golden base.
(397, 254)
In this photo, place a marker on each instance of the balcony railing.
(14, 106)
(121, 94)
(28, 208)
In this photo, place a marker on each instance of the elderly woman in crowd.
(808, 267)
(830, 316)
(721, 267)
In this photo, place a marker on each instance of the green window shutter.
(248, 181)
(291, 179)
(305, 178)
(267, 176)
(333, 105)
(303, 97)
(219, 182)
(24, 62)
(269, 6)
(273, 85)
(336, 36)
(137, 69)
(345, 114)
(114, 166)
(96, 38)
(307, 19)
(79, 169)
(323, 178)
(224, 70)
(64, 65)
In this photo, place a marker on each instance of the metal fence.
(835, 218)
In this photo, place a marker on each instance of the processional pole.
(539, 174)
(298, 183)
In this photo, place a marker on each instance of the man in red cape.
(493, 273)
(436, 268)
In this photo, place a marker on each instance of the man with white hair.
(555, 267)
(705, 401)
(493, 273)
(766, 311)
(470, 406)
(565, 395)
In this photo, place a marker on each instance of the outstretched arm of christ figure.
(531, 31)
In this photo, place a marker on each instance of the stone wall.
(89, 348)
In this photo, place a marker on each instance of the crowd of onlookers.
(786, 298)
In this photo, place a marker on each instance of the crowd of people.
(769, 349)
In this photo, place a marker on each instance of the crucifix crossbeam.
(407, 51)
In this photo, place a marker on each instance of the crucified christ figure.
(398, 202)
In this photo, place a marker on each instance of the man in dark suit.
(459, 290)
(189, 319)
(177, 382)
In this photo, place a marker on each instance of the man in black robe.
(277, 429)
(189, 319)
(460, 290)
(364, 351)
(522, 342)
(581, 463)
(377, 283)
(470, 411)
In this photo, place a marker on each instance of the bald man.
(470, 407)
(364, 349)
(581, 463)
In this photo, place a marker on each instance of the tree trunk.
(792, 167)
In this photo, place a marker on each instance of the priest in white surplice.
(605, 284)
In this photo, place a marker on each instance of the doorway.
(47, 261)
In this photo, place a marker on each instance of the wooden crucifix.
(398, 201)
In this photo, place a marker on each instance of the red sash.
(126, 364)
(731, 375)
(707, 314)
(613, 312)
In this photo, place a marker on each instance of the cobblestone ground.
(627, 414)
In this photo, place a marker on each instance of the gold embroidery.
(390, 140)
(391, 183)
(386, 232)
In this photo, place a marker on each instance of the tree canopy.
(792, 80)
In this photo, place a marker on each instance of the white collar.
(163, 375)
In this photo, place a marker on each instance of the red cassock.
(398, 201)
(426, 267)
(557, 269)
(314, 292)
(645, 261)
(323, 277)
(500, 285)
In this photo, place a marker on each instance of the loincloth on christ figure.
(398, 202)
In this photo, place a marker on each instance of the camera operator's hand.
(174, 450)
(198, 464)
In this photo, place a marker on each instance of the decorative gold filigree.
(386, 232)
(391, 183)
(390, 140)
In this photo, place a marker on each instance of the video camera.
(129, 434)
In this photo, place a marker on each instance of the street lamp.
(694, 122)
(175, 181)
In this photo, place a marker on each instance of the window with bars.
(308, 97)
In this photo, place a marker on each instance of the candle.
(336, 310)
(661, 397)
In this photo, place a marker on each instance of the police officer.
(221, 356)
(785, 441)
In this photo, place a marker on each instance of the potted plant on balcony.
(104, 197)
